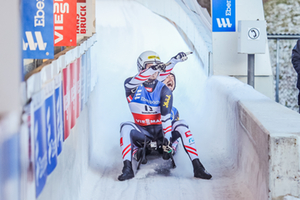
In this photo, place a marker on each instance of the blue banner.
(223, 16)
(40, 148)
(10, 168)
(59, 113)
(38, 32)
(50, 127)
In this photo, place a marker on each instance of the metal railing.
(278, 37)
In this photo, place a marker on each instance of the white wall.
(227, 61)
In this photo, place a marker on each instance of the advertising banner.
(66, 100)
(73, 83)
(78, 95)
(50, 126)
(37, 30)
(9, 171)
(65, 22)
(88, 74)
(83, 79)
(223, 16)
(58, 112)
(40, 141)
(27, 152)
(85, 17)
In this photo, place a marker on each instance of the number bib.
(145, 106)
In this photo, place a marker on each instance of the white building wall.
(227, 60)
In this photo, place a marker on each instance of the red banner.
(78, 87)
(66, 99)
(65, 12)
(73, 83)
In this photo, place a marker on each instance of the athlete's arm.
(163, 75)
(166, 107)
(139, 78)
(132, 83)
(180, 57)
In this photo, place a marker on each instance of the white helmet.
(146, 58)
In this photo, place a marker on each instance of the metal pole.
(251, 70)
(277, 72)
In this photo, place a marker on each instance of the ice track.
(124, 30)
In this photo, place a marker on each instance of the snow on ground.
(124, 30)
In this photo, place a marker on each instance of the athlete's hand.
(180, 57)
(167, 147)
(161, 67)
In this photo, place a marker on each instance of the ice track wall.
(195, 28)
(270, 130)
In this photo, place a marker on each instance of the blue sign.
(223, 16)
(10, 168)
(40, 148)
(51, 134)
(38, 32)
(59, 113)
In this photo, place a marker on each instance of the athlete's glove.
(161, 67)
(180, 57)
(167, 149)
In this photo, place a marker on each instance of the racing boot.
(127, 171)
(199, 170)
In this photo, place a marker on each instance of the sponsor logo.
(59, 9)
(51, 142)
(138, 95)
(187, 134)
(228, 9)
(223, 16)
(149, 113)
(191, 140)
(222, 23)
(121, 141)
(33, 45)
(149, 89)
(39, 18)
(81, 20)
(153, 57)
(167, 100)
(41, 160)
(148, 121)
(149, 102)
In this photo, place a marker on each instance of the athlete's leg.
(181, 129)
(131, 138)
(187, 138)
(126, 147)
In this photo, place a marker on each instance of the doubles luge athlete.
(180, 129)
(150, 102)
